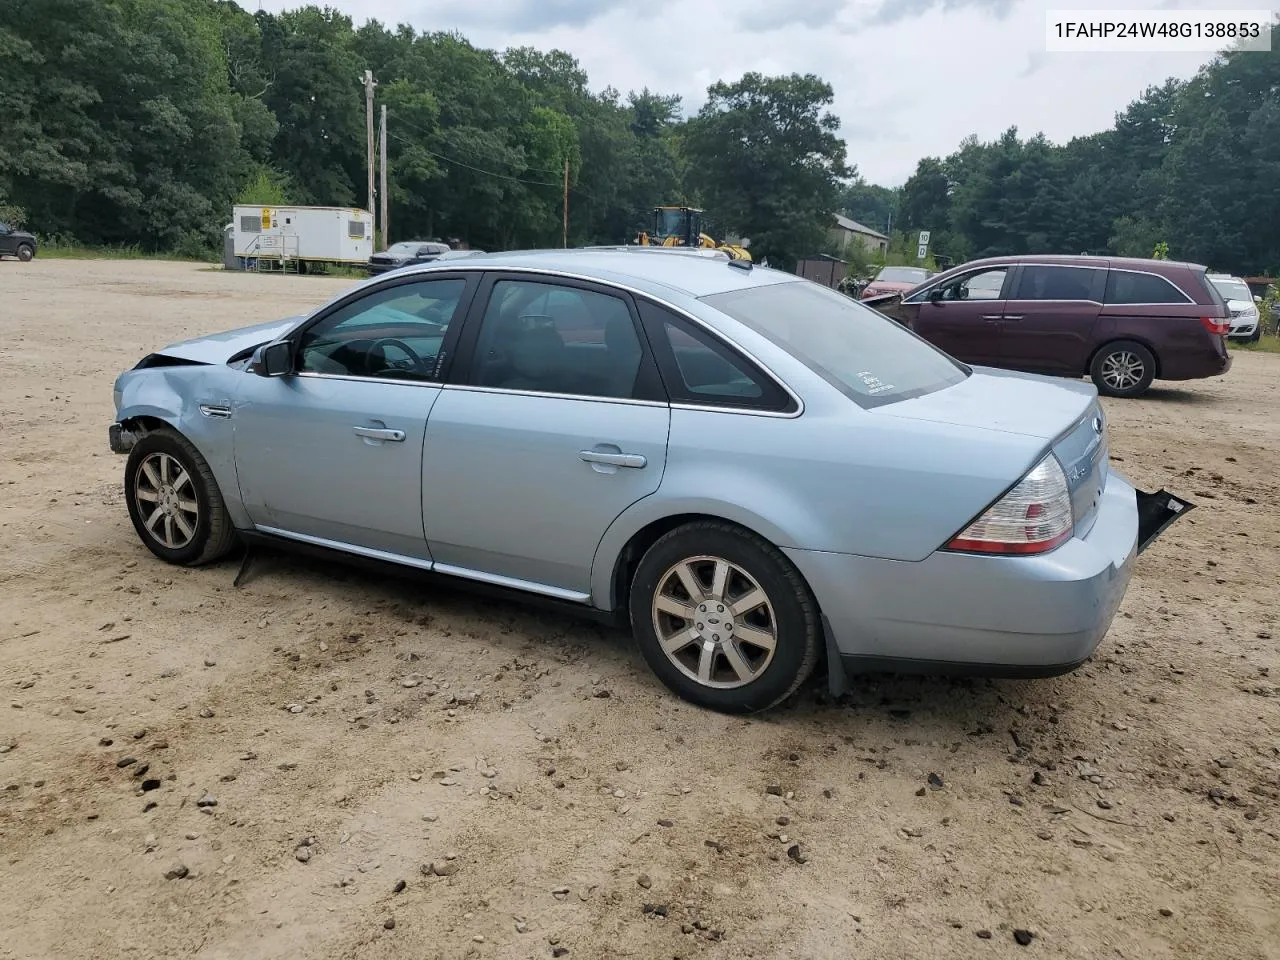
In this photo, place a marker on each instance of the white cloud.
(911, 77)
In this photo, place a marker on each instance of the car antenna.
(740, 264)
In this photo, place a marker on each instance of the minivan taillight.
(1033, 517)
(1215, 326)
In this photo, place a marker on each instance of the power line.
(418, 130)
(459, 163)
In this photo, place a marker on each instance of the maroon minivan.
(1123, 322)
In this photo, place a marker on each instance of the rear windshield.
(903, 275)
(868, 357)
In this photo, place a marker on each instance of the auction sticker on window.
(1145, 31)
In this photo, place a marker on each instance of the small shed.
(823, 268)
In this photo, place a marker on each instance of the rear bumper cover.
(997, 616)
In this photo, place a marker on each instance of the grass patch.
(1266, 344)
(60, 251)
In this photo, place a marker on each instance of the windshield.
(1233, 289)
(903, 275)
(404, 248)
(669, 221)
(865, 355)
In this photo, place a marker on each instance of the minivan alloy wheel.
(714, 622)
(166, 500)
(1123, 370)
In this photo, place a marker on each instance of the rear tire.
(26, 252)
(723, 618)
(1123, 368)
(174, 501)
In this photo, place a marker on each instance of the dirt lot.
(353, 729)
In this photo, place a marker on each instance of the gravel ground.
(324, 763)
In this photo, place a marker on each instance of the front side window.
(550, 338)
(1044, 282)
(394, 332)
(1128, 287)
(864, 354)
(985, 285)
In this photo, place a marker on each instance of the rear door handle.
(993, 317)
(1011, 318)
(634, 460)
(379, 433)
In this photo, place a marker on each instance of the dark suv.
(1123, 322)
(16, 243)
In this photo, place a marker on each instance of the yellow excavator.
(679, 226)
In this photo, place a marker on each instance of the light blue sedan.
(757, 474)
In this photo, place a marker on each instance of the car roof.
(1085, 260)
(684, 272)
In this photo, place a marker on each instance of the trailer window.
(251, 224)
(355, 229)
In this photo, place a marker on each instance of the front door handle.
(633, 460)
(1011, 318)
(992, 317)
(379, 433)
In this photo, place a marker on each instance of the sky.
(911, 78)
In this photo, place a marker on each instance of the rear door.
(963, 317)
(553, 423)
(1050, 316)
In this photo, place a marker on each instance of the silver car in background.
(755, 473)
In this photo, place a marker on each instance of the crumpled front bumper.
(121, 438)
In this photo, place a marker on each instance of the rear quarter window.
(1132, 287)
(862, 353)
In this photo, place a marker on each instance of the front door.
(332, 452)
(963, 318)
(552, 425)
(1049, 318)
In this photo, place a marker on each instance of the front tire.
(26, 252)
(723, 618)
(174, 501)
(1123, 368)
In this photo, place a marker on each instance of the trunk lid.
(1064, 414)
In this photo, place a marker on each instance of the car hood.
(1003, 400)
(221, 347)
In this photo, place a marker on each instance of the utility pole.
(566, 201)
(382, 186)
(369, 84)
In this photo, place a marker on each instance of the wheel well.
(644, 538)
(1088, 367)
(145, 424)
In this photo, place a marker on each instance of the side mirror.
(935, 294)
(1256, 298)
(273, 359)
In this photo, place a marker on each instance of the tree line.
(141, 122)
(1194, 165)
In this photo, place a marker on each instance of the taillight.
(1033, 517)
(1215, 326)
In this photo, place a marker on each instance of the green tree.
(765, 157)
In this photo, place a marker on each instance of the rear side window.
(1127, 287)
(1042, 282)
(700, 369)
(862, 353)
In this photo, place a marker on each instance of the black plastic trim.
(858, 664)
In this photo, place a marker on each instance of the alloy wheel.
(166, 499)
(1123, 370)
(714, 622)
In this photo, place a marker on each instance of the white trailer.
(289, 236)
